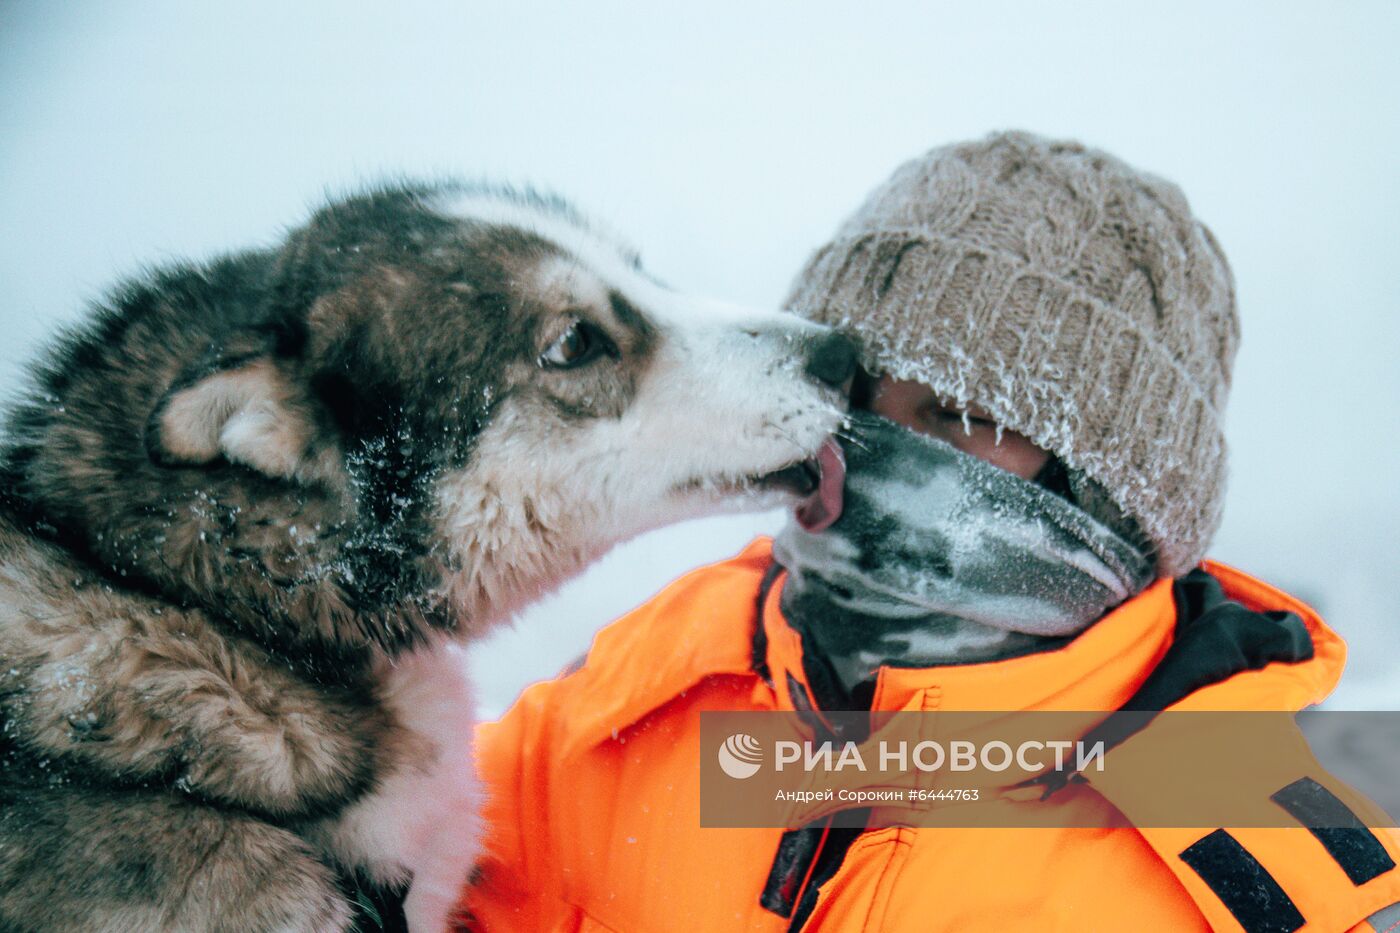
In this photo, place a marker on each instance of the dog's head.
(422, 410)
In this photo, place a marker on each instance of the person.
(1034, 470)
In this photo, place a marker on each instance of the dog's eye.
(580, 344)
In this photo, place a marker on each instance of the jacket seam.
(882, 897)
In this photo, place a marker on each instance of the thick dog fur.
(255, 506)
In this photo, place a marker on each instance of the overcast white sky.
(727, 139)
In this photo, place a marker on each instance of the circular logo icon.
(740, 756)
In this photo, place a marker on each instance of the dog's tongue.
(823, 507)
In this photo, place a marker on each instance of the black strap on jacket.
(806, 857)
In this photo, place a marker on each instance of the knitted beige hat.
(1071, 296)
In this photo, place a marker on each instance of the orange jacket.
(593, 790)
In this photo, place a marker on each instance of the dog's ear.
(249, 412)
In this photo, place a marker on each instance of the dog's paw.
(443, 863)
(432, 899)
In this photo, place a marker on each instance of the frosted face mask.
(938, 557)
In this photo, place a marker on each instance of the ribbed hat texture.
(1071, 296)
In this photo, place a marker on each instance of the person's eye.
(948, 416)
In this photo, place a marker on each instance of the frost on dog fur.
(254, 508)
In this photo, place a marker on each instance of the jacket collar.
(699, 627)
(1099, 670)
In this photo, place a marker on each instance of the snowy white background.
(727, 139)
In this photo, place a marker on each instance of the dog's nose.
(831, 360)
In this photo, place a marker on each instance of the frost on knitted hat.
(1072, 297)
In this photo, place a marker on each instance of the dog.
(254, 509)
